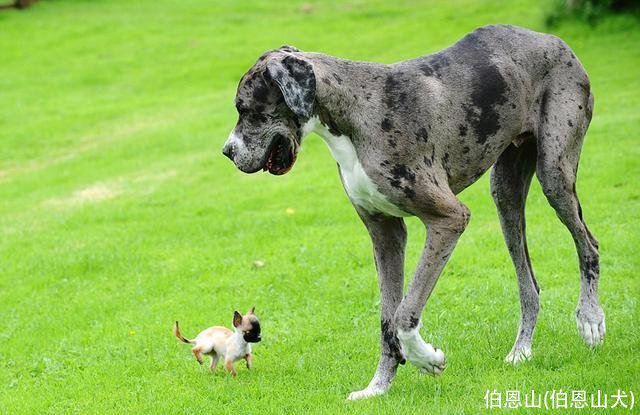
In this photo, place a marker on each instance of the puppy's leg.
(228, 364)
(445, 218)
(389, 236)
(247, 357)
(510, 180)
(214, 361)
(197, 352)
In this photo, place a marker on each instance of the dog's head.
(248, 325)
(274, 100)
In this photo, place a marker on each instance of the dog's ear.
(237, 319)
(296, 81)
(289, 48)
(252, 311)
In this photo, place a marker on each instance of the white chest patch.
(360, 188)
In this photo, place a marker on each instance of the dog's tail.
(176, 332)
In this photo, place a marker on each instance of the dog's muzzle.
(277, 158)
(251, 338)
(228, 150)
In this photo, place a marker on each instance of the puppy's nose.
(227, 150)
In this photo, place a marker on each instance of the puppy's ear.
(252, 311)
(296, 81)
(237, 319)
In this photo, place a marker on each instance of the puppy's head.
(274, 99)
(248, 325)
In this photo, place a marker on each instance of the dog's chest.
(361, 189)
(235, 348)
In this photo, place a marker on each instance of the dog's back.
(481, 94)
(213, 339)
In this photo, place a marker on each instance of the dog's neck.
(336, 88)
(238, 336)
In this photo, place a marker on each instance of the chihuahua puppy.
(220, 342)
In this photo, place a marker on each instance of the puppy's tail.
(176, 332)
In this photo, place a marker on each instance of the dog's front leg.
(228, 364)
(444, 228)
(388, 235)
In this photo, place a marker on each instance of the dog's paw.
(518, 354)
(421, 354)
(591, 326)
(367, 392)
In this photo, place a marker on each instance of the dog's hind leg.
(389, 236)
(214, 361)
(197, 352)
(565, 116)
(510, 180)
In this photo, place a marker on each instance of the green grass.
(119, 215)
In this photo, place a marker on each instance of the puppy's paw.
(367, 392)
(421, 354)
(518, 354)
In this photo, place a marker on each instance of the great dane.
(409, 136)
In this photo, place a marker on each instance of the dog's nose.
(227, 150)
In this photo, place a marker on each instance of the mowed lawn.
(119, 215)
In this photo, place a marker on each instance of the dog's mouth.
(252, 338)
(282, 155)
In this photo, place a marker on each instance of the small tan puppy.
(220, 342)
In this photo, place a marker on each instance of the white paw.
(367, 392)
(518, 355)
(591, 326)
(421, 354)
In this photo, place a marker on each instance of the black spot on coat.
(489, 90)
(400, 171)
(422, 134)
(413, 321)
(391, 342)
(394, 97)
(386, 125)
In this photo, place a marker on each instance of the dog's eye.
(255, 118)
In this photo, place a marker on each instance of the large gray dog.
(410, 136)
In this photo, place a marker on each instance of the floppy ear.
(252, 311)
(289, 48)
(296, 81)
(237, 319)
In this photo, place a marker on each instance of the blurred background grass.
(118, 215)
